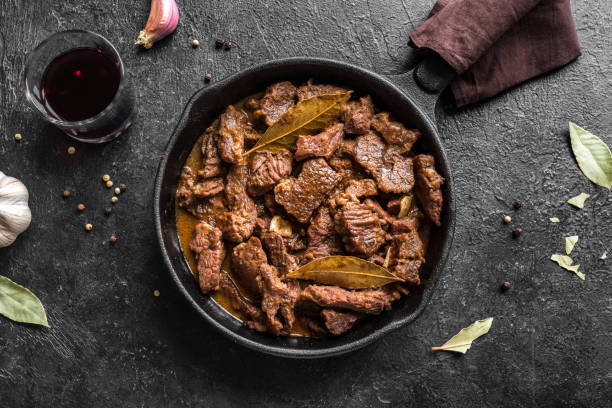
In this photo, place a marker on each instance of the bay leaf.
(554, 219)
(570, 242)
(579, 200)
(604, 255)
(307, 117)
(462, 341)
(348, 272)
(19, 304)
(566, 262)
(593, 156)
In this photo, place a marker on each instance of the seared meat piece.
(303, 195)
(279, 98)
(209, 251)
(394, 205)
(208, 188)
(246, 260)
(338, 322)
(295, 242)
(211, 161)
(406, 257)
(395, 133)
(392, 171)
(361, 188)
(348, 169)
(322, 238)
(267, 169)
(382, 214)
(313, 323)
(184, 195)
(238, 223)
(277, 252)
(254, 318)
(377, 259)
(308, 90)
(278, 299)
(233, 130)
(360, 228)
(428, 184)
(368, 301)
(411, 223)
(323, 144)
(358, 116)
(252, 104)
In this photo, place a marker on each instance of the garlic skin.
(15, 215)
(163, 18)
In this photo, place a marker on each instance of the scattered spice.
(156, 293)
(88, 227)
(81, 207)
(195, 43)
(554, 219)
(112, 239)
(105, 177)
(109, 184)
(566, 262)
(517, 205)
(228, 45)
(114, 199)
(507, 219)
(108, 211)
(17, 136)
(218, 43)
(505, 286)
(517, 232)
(570, 242)
(604, 255)
(71, 150)
(122, 187)
(117, 190)
(208, 77)
(462, 341)
(579, 200)
(65, 193)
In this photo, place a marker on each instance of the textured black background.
(112, 343)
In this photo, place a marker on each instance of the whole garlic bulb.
(15, 215)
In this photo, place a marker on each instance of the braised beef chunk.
(392, 171)
(394, 132)
(184, 195)
(208, 188)
(382, 214)
(238, 223)
(428, 186)
(314, 324)
(277, 252)
(340, 321)
(411, 223)
(246, 259)
(323, 144)
(279, 98)
(211, 161)
(209, 251)
(360, 228)
(394, 205)
(278, 300)
(322, 238)
(358, 116)
(361, 188)
(252, 104)
(233, 130)
(255, 319)
(310, 89)
(368, 301)
(406, 257)
(301, 196)
(267, 169)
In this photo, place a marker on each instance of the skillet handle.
(425, 82)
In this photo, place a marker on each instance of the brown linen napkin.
(496, 44)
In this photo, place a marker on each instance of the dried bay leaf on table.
(19, 304)
(604, 255)
(348, 272)
(462, 341)
(593, 156)
(566, 262)
(570, 242)
(554, 219)
(579, 200)
(308, 117)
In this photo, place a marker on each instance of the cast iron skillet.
(398, 94)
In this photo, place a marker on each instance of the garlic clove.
(15, 215)
(163, 19)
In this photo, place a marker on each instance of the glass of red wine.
(76, 80)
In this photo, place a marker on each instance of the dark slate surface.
(112, 343)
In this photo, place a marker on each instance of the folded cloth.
(496, 44)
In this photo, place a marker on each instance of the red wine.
(80, 83)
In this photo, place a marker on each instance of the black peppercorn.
(218, 43)
(228, 45)
(122, 187)
(517, 205)
(108, 211)
(517, 232)
(208, 77)
(505, 286)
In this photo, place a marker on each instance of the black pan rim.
(282, 351)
